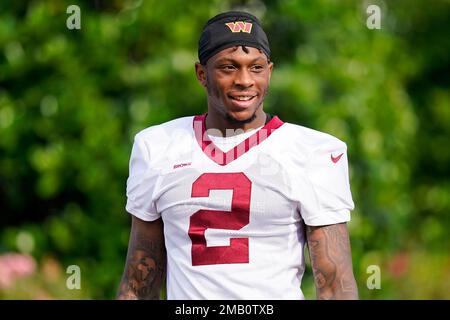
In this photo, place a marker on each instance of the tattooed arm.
(145, 267)
(331, 260)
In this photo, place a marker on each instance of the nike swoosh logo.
(336, 159)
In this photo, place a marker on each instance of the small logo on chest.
(180, 165)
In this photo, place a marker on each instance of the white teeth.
(243, 98)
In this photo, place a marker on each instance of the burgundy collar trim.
(224, 158)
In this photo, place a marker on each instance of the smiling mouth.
(242, 97)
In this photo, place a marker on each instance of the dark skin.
(236, 71)
(331, 261)
(233, 72)
(145, 268)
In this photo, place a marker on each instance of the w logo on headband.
(239, 26)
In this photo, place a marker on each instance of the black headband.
(231, 29)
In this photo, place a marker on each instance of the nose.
(243, 78)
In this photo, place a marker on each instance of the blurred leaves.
(72, 100)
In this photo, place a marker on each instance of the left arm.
(331, 260)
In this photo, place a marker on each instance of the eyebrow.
(222, 60)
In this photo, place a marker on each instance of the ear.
(200, 72)
(270, 69)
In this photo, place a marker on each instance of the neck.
(221, 123)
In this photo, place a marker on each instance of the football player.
(223, 203)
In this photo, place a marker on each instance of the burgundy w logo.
(240, 26)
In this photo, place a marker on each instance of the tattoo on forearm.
(331, 261)
(144, 270)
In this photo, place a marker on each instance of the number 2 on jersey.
(238, 217)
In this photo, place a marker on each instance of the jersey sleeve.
(330, 200)
(141, 182)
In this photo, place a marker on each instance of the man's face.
(237, 80)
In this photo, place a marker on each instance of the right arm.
(145, 268)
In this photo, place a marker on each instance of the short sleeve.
(330, 200)
(141, 182)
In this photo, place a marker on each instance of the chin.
(241, 116)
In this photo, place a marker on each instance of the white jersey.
(234, 221)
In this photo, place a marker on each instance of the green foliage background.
(72, 100)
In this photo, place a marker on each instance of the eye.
(227, 67)
(257, 68)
